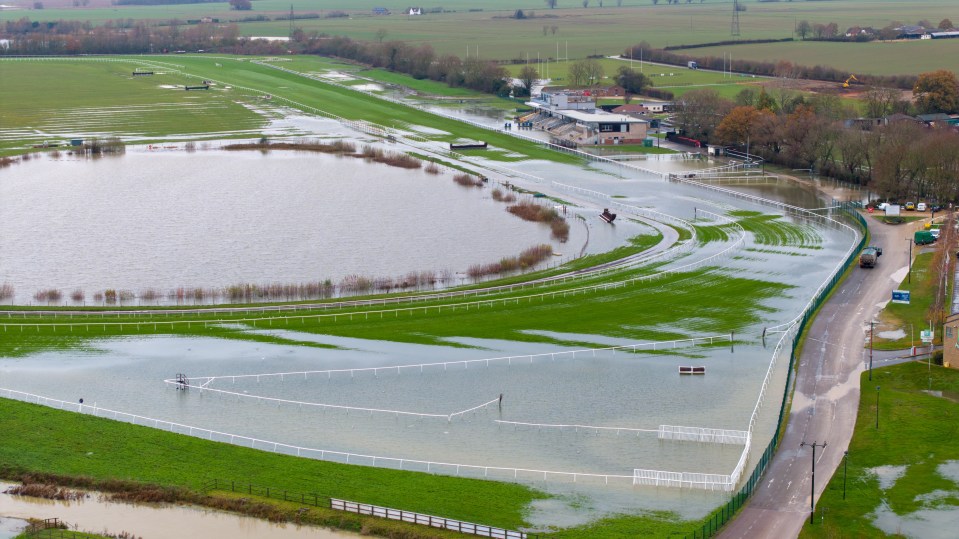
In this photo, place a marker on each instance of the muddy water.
(132, 222)
(150, 521)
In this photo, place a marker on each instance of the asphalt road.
(826, 396)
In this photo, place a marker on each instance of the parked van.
(923, 237)
(921, 206)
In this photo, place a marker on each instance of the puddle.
(892, 335)
(152, 521)
(368, 87)
(888, 475)
(11, 527)
(940, 523)
(930, 523)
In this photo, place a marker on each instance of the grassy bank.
(77, 445)
(89, 451)
(912, 317)
(914, 433)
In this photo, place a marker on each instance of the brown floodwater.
(156, 521)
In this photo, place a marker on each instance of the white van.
(921, 206)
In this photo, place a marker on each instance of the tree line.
(898, 157)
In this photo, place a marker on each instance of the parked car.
(910, 206)
(921, 206)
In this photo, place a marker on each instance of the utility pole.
(872, 326)
(812, 498)
(909, 280)
(845, 458)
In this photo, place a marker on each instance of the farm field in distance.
(488, 31)
(676, 79)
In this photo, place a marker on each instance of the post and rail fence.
(336, 504)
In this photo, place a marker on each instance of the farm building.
(945, 35)
(911, 31)
(938, 119)
(380, 11)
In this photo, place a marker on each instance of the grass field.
(139, 109)
(601, 315)
(594, 30)
(678, 80)
(878, 58)
(917, 433)
(913, 315)
(105, 99)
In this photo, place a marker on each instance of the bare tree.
(880, 101)
(585, 72)
(585, 3)
(527, 76)
(381, 34)
(551, 4)
(553, 29)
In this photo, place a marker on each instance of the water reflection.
(154, 521)
(214, 219)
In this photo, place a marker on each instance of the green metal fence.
(716, 520)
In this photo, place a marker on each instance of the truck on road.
(869, 256)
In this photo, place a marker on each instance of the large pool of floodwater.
(213, 219)
(632, 391)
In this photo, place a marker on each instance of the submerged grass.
(700, 301)
(906, 412)
(772, 230)
(76, 445)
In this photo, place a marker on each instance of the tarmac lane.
(826, 396)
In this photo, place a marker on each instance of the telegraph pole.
(812, 498)
(872, 326)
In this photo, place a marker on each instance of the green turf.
(732, 303)
(910, 317)
(916, 430)
(73, 444)
(55, 101)
(246, 81)
(424, 86)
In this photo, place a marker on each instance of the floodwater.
(629, 391)
(150, 521)
(132, 222)
(937, 518)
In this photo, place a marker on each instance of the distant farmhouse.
(415, 11)
(380, 11)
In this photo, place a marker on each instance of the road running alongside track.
(826, 397)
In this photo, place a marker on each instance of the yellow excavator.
(852, 78)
